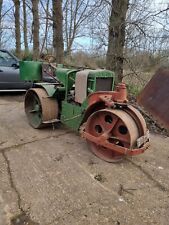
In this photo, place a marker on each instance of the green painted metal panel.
(72, 115)
(30, 70)
(49, 88)
(101, 73)
(67, 78)
(63, 75)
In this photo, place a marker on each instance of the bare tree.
(77, 14)
(17, 27)
(25, 29)
(45, 8)
(57, 18)
(1, 2)
(116, 40)
(35, 28)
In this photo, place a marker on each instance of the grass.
(136, 81)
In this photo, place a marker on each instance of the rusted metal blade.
(155, 97)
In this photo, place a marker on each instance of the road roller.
(87, 101)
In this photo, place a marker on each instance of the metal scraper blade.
(155, 97)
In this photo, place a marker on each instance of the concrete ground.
(49, 177)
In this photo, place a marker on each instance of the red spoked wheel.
(118, 126)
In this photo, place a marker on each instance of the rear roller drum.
(119, 128)
(39, 108)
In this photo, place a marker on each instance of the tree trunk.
(35, 29)
(1, 2)
(115, 56)
(25, 30)
(45, 39)
(17, 27)
(58, 30)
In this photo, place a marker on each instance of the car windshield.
(6, 59)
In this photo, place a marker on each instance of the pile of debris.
(152, 124)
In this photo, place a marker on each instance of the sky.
(161, 3)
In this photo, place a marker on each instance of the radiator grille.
(104, 84)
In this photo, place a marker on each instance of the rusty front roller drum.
(115, 127)
(39, 108)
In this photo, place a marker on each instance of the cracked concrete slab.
(69, 189)
(51, 177)
(8, 198)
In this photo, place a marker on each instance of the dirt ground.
(49, 177)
